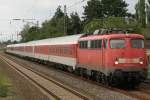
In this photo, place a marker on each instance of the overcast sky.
(35, 9)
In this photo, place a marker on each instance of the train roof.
(16, 45)
(72, 39)
(109, 36)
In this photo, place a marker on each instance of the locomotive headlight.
(116, 62)
(141, 62)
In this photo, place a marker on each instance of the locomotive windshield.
(117, 43)
(137, 43)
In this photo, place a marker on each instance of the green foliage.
(4, 90)
(96, 9)
(115, 8)
(112, 22)
(58, 13)
(148, 12)
(50, 28)
(97, 14)
(76, 24)
(29, 34)
(53, 27)
(141, 13)
(93, 25)
(93, 10)
(117, 22)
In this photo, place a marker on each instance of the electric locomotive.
(113, 57)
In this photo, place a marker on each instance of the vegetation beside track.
(5, 85)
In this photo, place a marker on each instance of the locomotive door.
(104, 46)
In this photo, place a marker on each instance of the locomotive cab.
(126, 58)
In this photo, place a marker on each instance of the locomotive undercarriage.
(121, 77)
(115, 78)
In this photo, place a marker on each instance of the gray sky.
(35, 9)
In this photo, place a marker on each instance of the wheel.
(70, 69)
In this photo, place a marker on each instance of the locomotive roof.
(72, 39)
(109, 36)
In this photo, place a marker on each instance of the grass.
(4, 86)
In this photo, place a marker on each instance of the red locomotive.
(109, 56)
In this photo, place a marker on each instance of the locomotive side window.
(117, 43)
(137, 43)
(96, 43)
(83, 44)
(99, 44)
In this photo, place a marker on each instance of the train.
(109, 56)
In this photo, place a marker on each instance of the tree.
(52, 28)
(93, 25)
(105, 8)
(148, 12)
(55, 26)
(59, 13)
(30, 34)
(114, 8)
(111, 22)
(141, 12)
(93, 10)
(76, 24)
(24, 32)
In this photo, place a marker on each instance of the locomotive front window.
(137, 43)
(117, 43)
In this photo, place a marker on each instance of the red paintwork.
(28, 49)
(102, 58)
(41, 49)
(105, 58)
(57, 50)
(21, 48)
(63, 50)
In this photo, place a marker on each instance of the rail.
(47, 84)
(137, 94)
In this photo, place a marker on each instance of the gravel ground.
(95, 91)
(23, 90)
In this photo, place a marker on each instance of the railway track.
(140, 94)
(50, 87)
